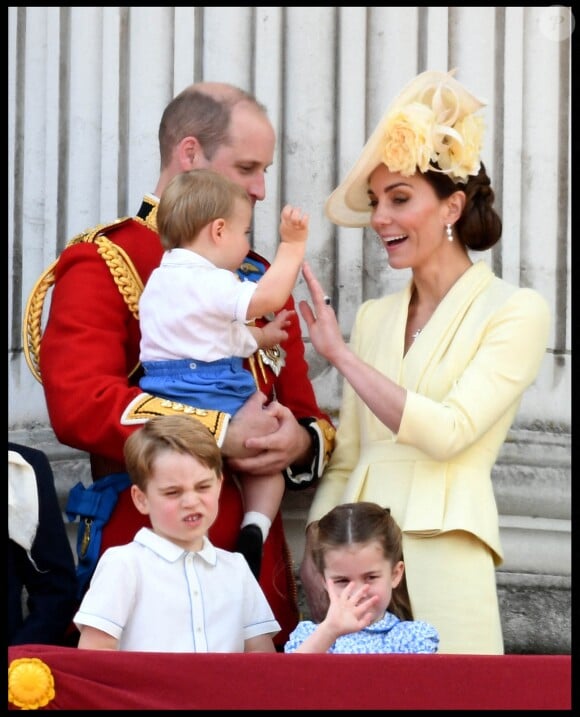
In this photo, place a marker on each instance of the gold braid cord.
(32, 324)
(122, 270)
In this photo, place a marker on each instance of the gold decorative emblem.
(274, 357)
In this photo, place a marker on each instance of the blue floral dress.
(387, 635)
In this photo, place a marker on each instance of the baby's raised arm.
(275, 287)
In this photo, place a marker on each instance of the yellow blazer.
(465, 375)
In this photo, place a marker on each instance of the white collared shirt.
(156, 597)
(191, 308)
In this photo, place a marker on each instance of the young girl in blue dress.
(357, 549)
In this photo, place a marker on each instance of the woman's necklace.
(414, 336)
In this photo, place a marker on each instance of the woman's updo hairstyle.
(479, 226)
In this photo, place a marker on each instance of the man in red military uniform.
(89, 356)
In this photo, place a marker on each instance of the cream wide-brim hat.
(348, 205)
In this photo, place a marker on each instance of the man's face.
(250, 152)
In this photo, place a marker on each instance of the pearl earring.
(449, 232)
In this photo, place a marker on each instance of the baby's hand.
(274, 332)
(293, 224)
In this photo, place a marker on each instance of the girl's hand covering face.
(351, 609)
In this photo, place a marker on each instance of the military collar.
(148, 211)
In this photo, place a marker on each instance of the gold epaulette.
(122, 270)
(146, 406)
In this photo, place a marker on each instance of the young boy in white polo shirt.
(170, 589)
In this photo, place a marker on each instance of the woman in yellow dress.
(434, 373)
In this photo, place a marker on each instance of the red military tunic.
(91, 345)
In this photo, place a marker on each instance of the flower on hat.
(459, 154)
(30, 683)
(408, 139)
(433, 132)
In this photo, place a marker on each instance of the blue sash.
(94, 506)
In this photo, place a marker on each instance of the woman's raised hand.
(320, 319)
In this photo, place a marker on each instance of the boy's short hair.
(178, 433)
